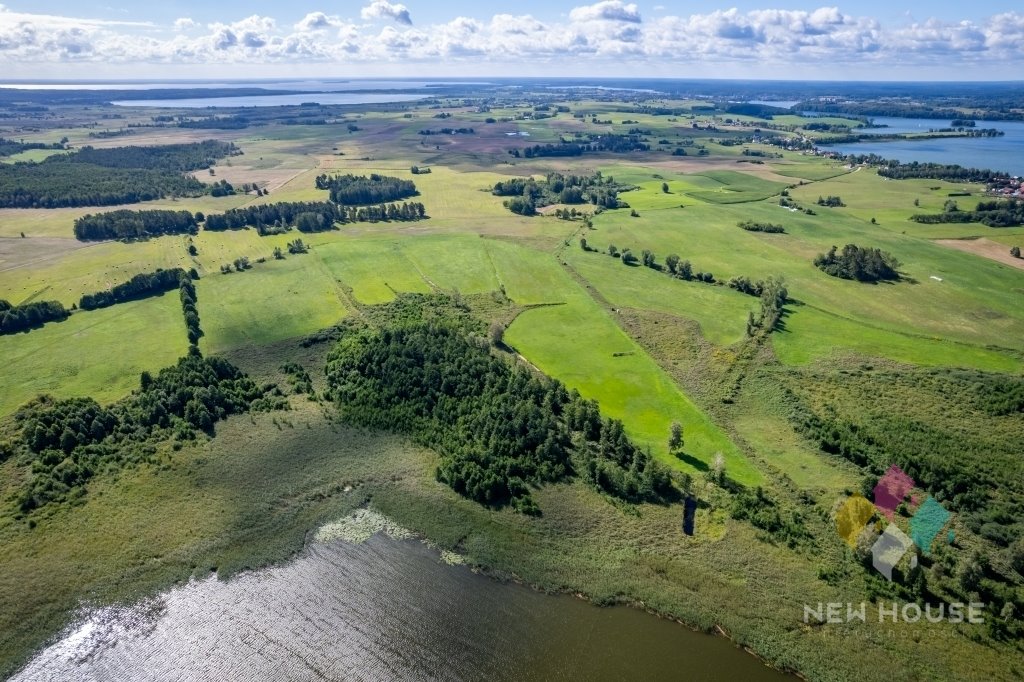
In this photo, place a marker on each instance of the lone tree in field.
(612, 251)
(628, 258)
(664, 187)
(583, 244)
(675, 437)
(1015, 251)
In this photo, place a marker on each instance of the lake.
(274, 100)
(385, 609)
(1004, 153)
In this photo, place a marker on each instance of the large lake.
(1005, 153)
(383, 610)
(274, 100)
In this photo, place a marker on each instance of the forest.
(59, 183)
(500, 429)
(356, 190)
(142, 285)
(126, 224)
(110, 176)
(863, 264)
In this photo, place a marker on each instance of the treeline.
(19, 318)
(355, 190)
(907, 110)
(310, 216)
(500, 429)
(1009, 213)
(674, 265)
(609, 142)
(126, 224)
(283, 214)
(751, 226)
(70, 441)
(187, 295)
(448, 131)
(937, 171)
(143, 285)
(9, 147)
(864, 264)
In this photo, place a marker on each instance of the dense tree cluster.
(72, 440)
(864, 264)
(125, 224)
(1009, 213)
(142, 285)
(19, 318)
(358, 190)
(499, 428)
(109, 176)
(170, 157)
(528, 194)
(752, 226)
(830, 201)
(608, 142)
(937, 171)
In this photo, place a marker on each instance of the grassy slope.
(581, 344)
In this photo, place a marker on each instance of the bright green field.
(99, 353)
(580, 344)
(274, 300)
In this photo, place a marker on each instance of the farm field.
(780, 419)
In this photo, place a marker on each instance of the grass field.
(99, 353)
(273, 301)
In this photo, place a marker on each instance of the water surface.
(382, 610)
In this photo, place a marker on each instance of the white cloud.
(382, 9)
(318, 21)
(607, 10)
(605, 33)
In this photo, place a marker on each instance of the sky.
(773, 39)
